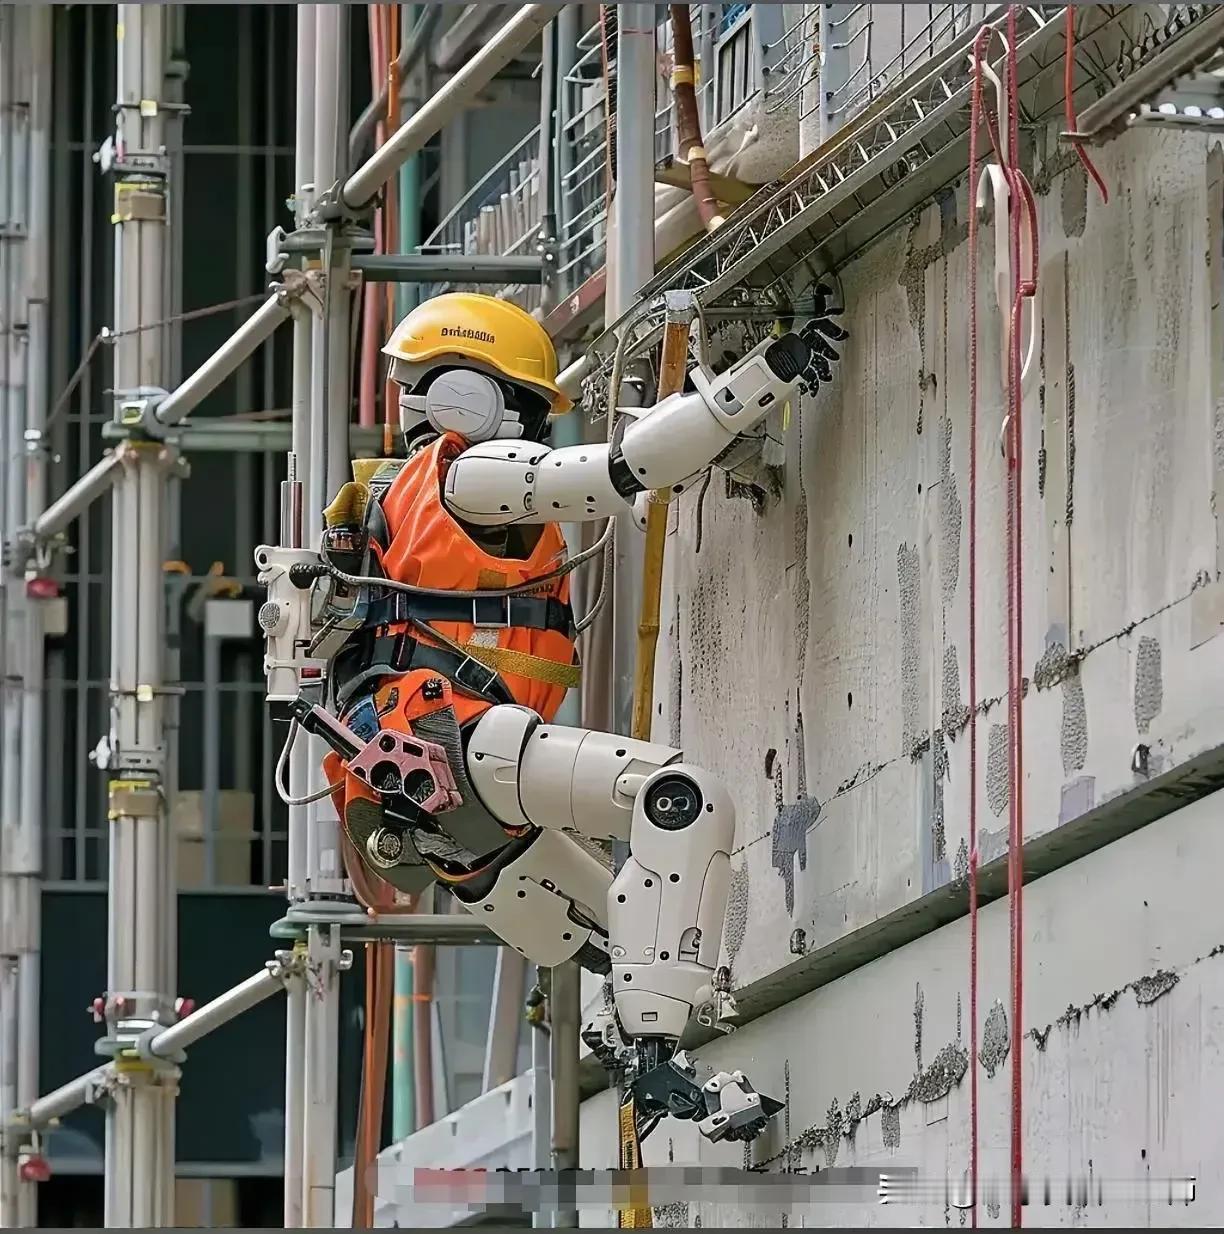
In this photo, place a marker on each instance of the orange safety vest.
(427, 547)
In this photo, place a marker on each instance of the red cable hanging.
(974, 123)
(1020, 197)
(1069, 105)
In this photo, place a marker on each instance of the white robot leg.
(666, 906)
(546, 896)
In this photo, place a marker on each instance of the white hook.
(1000, 194)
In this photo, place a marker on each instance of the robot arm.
(501, 482)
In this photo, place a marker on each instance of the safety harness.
(378, 650)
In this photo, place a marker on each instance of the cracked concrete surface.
(864, 571)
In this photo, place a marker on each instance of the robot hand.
(724, 1107)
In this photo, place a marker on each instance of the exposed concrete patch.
(917, 260)
(854, 1115)
(996, 1041)
(997, 784)
(936, 1082)
(918, 1002)
(1054, 665)
(802, 594)
(834, 1128)
(1073, 735)
(955, 713)
(908, 581)
(1074, 201)
(960, 867)
(992, 1207)
(737, 911)
(939, 773)
(950, 517)
(1149, 989)
(1070, 383)
(942, 1076)
(676, 692)
(1149, 683)
(890, 1126)
(798, 941)
(1218, 429)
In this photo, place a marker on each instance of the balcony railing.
(776, 63)
(499, 215)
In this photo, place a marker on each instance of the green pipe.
(403, 1095)
(403, 1087)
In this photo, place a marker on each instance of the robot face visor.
(476, 404)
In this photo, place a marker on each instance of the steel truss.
(873, 173)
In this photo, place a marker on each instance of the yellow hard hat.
(483, 328)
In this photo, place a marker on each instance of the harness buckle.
(484, 680)
(500, 617)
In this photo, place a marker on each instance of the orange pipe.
(688, 122)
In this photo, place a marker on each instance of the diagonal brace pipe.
(240, 345)
(363, 185)
(75, 500)
(167, 1043)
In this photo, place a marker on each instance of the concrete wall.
(818, 653)
(1122, 1067)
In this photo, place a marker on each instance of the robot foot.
(725, 1107)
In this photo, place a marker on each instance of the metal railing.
(785, 63)
(583, 197)
(499, 215)
(856, 52)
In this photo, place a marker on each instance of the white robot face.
(457, 400)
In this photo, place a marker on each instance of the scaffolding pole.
(330, 408)
(25, 84)
(292, 533)
(565, 1016)
(632, 267)
(139, 1176)
(33, 659)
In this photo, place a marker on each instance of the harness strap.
(483, 612)
(395, 654)
(521, 664)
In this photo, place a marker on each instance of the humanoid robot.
(429, 639)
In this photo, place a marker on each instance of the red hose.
(975, 120)
(1020, 197)
(1068, 92)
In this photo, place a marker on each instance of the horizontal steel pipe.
(466, 268)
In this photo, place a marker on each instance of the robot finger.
(822, 369)
(830, 329)
(822, 347)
